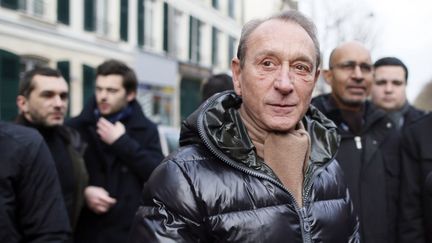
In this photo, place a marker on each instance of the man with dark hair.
(123, 149)
(31, 205)
(368, 151)
(42, 101)
(389, 91)
(215, 84)
(257, 164)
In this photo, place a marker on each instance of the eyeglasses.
(351, 65)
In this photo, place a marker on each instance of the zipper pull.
(358, 143)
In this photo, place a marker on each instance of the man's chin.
(354, 101)
(282, 126)
(54, 123)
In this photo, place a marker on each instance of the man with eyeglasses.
(369, 141)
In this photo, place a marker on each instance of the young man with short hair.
(123, 149)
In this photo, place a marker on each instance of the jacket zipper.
(304, 222)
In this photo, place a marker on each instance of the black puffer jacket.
(215, 188)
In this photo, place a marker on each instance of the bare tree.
(339, 21)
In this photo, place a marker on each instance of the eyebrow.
(297, 56)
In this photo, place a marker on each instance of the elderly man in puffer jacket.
(257, 164)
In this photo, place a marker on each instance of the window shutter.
(140, 25)
(165, 27)
(89, 77)
(124, 20)
(9, 78)
(64, 67)
(11, 4)
(63, 11)
(89, 15)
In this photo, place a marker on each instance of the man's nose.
(357, 73)
(102, 94)
(388, 88)
(284, 81)
(58, 101)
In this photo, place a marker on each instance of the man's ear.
(328, 76)
(22, 104)
(236, 71)
(131, 96)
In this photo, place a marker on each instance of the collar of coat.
(217, 125)
(137, 119)
(372, 114)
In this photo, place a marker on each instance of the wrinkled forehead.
(282, 35)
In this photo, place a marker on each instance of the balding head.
(347, 47)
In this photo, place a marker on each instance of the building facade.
(173, 45)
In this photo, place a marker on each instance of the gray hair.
(287, 16)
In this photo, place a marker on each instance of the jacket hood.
(217, 124)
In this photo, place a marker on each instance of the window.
(215, 4)
(102, 25)
(96, 16)
(231, 9)
(231, 48)
(194, 39)
(33, 7)
(148, 23)
(215, 46)
(171, 24)
(156, 102)
(28, 62)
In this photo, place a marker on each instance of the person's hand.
(109, 132)
(98, 199)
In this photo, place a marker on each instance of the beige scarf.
(285, 153)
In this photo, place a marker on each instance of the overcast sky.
(404, 32)
(408, 36)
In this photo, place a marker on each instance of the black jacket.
(411, 115)
(371, 164)
(216, 189)
(416, 184)
(120, 168)
(67, 150)
(31, 203)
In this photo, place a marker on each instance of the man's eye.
(267, 63)
(47, 94)
(398, 83)
(302, 68)
(348, 65)
(381, 82)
